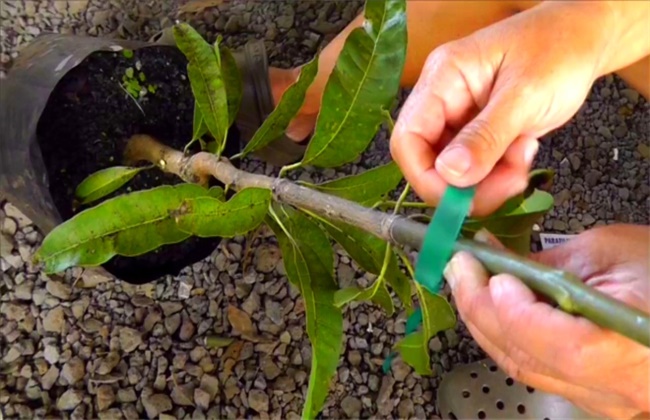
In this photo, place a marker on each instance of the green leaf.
(127, 53)
(377, 293)
(199, 129)
(368, 251)
(415, 354)
(437, 315)
(539, 179)
(104, 182)
(367, 187)
(292, 100)
(218, 193)
(309, 263)
(129, 225)
(210, 217)
(513, 226)
(233, 81)
(364, 83)
(206, 80)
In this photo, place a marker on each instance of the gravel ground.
(88, 347)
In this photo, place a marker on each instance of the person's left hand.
(600, 371)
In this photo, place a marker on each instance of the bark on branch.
(570, 293)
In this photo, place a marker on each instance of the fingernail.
(483, 235)
(456, 161)
(530, 150)
(451, 272)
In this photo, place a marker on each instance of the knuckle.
(480, 136)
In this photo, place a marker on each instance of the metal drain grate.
(482, 391)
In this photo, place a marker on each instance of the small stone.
(405, 408)
(202, 398)
(588, 220)
(79, 307)
(170, 308)
(51, 354)
(108, 363)
(183, 394)
(258, 401)
(624, 194)
(58, 289)
(172, 323)
(605, 132)
(12, 355)
(156, 403)
(270, 369)
(592, 178)
(23, 291)
(621, 131)
(631, 95)
(284, 21)
(49, 379)
(54, 320)
(73, 371)
(130, 339)
(267, 258)
(401, 370)
(354, 357)
(126, 395)
(559, 225)
(12, 212)
(351, 406)
(575, 161)
(232, 25)
(345, 275)
(69, 400)
(187, 329)
(105, 397)
(210, 384)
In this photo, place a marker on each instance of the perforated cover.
(483, 391)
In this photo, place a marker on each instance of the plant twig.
(572, 295)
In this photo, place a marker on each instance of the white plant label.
(549, 240)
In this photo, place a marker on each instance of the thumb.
(480, 144)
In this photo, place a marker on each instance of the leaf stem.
(288, 168)
(566, 289)
(389, 120)
(402, 197)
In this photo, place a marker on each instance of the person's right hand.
(481, 102)
(597, 369)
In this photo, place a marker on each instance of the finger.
(440, 96)
(553, 338)
(590, 400)
(468, 281)
(481, 143)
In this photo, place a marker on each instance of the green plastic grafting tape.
(437, 248)
(443, 231)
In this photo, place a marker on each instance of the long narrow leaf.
(211, 216)
(437, 315)
(128, 225)
(367, 187)
(309, 262)
(289, 105)
(368, 251)
(206, 80)
(364, 83)
(104, 182)
(513, 226)
(233, 81)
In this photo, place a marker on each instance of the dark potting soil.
(87, 123)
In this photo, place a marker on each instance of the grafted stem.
(571, 294)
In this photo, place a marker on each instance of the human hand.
(598, 370)
(481, 102)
